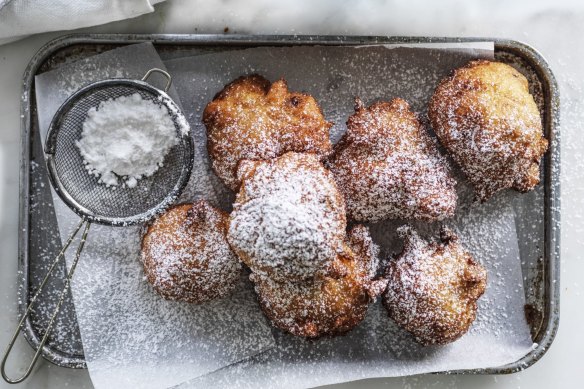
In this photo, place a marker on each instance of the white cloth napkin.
(19, 18)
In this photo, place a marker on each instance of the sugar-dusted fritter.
(488, 121)
(255, 120)
(388, 167)
(288, 220)
(186, 256)
(433, 288)
(325, 306)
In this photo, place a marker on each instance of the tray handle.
(55, 312)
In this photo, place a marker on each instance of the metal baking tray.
(38, 243)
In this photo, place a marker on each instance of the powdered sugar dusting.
(289, 218)
(433, 288)
(254, 119)
(327, 306)
(387, 166)
(485, 117)
(186, 255)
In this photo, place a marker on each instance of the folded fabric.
(19, 18)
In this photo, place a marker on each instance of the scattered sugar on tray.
(316, 352)
(126, 137)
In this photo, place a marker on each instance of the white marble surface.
(556, 28)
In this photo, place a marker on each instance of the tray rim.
(552, 215)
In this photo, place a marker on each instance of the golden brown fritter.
(486, 118)
(433, 288)
(288, 220)
(186, 256)
(327, 306)
(255, 120)
(388, 167)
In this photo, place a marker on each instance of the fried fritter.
(433, 288)
(326, 306)
(288, 220)
(255, 120)
(186, 256)
(488, 121)
(388, 167)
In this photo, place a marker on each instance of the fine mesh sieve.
(82, 192)
(94, 201)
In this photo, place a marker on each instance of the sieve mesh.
(82, 191)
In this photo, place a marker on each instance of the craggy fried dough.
(255, 120)
(388, 167)
(488, 121)
(288, 220)
(186, 256)
(327, 306)
(433, 288)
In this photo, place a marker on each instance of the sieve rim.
(185, 140)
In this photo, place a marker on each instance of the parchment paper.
(131, 336)
(334, 76)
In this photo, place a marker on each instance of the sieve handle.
(55, 312)
(164, 73)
